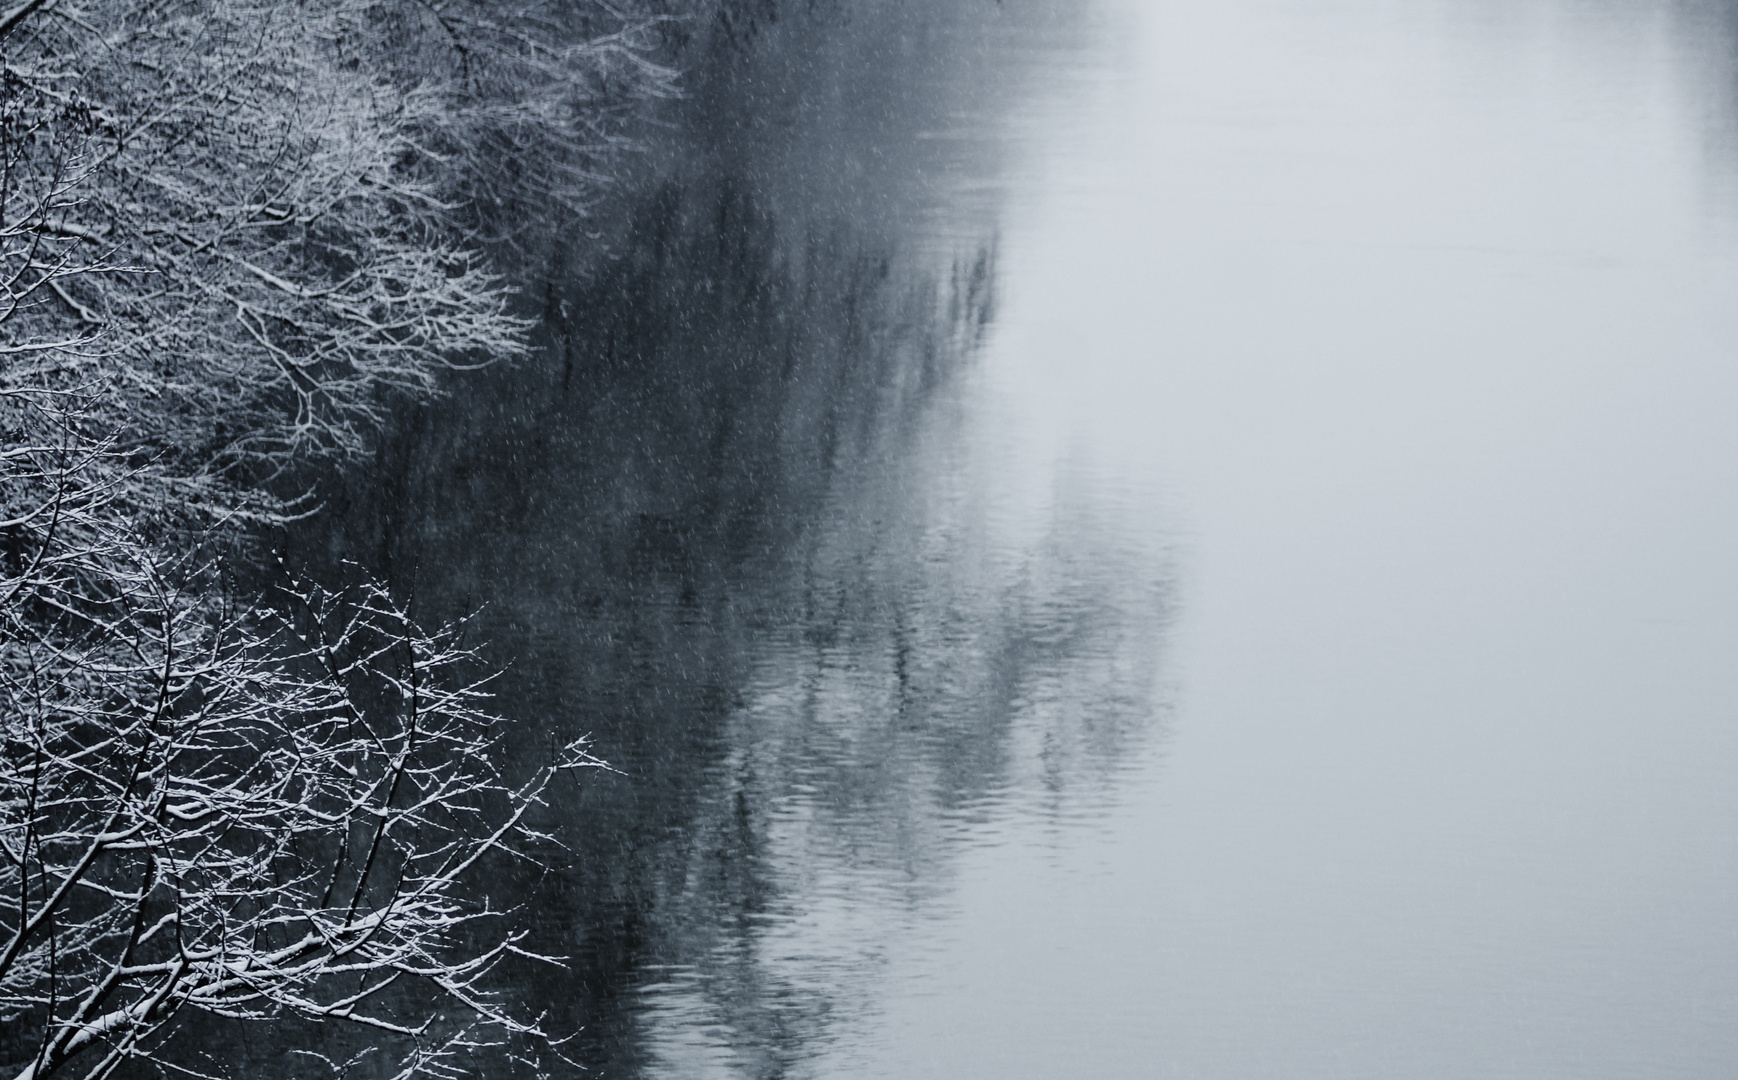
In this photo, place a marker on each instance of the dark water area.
(725, 526)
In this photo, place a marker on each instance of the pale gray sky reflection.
(1422, 315)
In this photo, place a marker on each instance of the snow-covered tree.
(209, 189)
(231, 233)
(246, 816)
(245, 812)
(273, 212)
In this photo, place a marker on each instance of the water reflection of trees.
(942, 673)
(733, 537)
(723, 528)
(630, 519)
(1707, 44)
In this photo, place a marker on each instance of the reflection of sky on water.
(1400, 333)
(1421, 315)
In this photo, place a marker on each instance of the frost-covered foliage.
(265, 222)
(232, 233)
(529, 102)
(248, 816)
(245, 812)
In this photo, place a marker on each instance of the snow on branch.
(243, 813)
(232, 234)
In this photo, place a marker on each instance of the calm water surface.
(1422, 318)
(1146, 539)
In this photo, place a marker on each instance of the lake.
(1131, 539)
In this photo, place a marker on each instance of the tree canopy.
(232, 235)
